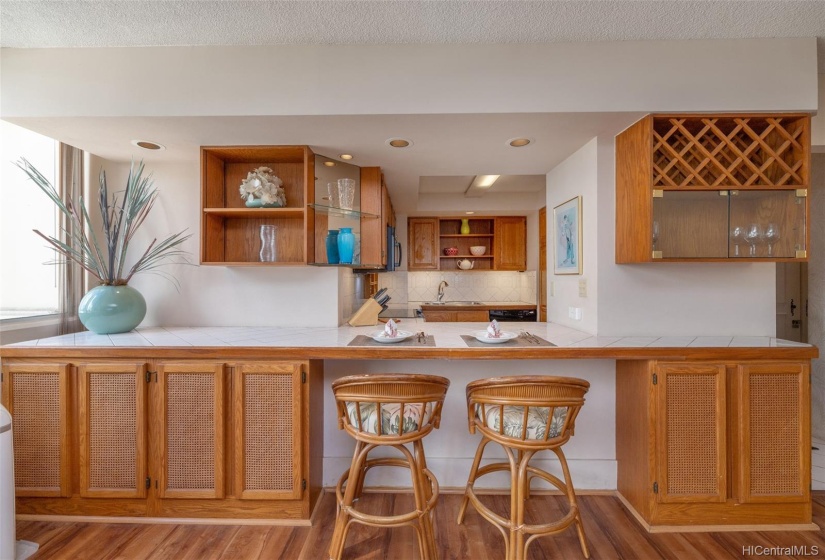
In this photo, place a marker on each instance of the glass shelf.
(333, 211)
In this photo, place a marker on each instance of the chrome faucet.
(441, 290)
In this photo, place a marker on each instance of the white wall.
(575, 176)
(389, 79)
(676, 299)
(818, 122)
(218, 295)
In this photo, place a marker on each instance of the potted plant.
(113, 306)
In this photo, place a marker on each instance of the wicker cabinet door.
(690, 433)
(36, 395)
(189, 409)
(774, 432)
(267, 411)
(112, 414)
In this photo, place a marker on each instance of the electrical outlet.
(574, 313)
(578, 314)
(582, 288)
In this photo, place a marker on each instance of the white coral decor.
(264, 185)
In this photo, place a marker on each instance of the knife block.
(367, 315)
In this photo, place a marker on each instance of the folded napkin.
(390, 330)
(493, 331)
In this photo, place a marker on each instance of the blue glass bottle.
(346, 245)
(332, 246)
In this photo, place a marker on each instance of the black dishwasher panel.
(514, 315)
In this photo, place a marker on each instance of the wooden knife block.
(367, 315)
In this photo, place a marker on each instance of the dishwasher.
(513, 315)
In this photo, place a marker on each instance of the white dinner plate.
(481, 336)
(378, 336)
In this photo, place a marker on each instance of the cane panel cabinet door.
(189, 424)
(691, 432)
(37, 396)
(267, 413)
(774, 432)
(113, 429)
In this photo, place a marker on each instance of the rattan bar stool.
(391, 411)
(524, 415)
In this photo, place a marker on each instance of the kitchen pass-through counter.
(239, 422)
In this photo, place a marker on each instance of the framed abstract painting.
(567, 238)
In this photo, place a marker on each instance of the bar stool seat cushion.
(390, 417)
(514, 420)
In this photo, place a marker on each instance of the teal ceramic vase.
(111, 309)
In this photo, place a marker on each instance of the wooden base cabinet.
(166, 438)
(713, 444)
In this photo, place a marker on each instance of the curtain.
(71, 275)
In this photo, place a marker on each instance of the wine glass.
(737, 235)
(771, 237)
(753, 235)
(655, 233)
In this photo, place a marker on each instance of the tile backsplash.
(463, 286)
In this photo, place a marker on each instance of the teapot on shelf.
(465, 264)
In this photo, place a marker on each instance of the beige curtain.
(71, 274)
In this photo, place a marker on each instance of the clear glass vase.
(268, 250)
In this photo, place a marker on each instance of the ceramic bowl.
(451, 251)
(478, 250)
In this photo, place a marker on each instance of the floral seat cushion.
(390, 417)
(514, 420)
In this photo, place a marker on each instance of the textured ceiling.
(110, 23)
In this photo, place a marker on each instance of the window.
(28, 287)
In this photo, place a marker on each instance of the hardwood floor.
(611, 533)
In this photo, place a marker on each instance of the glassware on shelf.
(332, 193)
(737, 235)
(771, 237)
(268, 249)
(346, 193)
(346, 245)
(332, 246)
(655, 233)
(753, 236)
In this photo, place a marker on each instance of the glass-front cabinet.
(713, 188)
(734, 224)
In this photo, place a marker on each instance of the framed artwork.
(567, 238)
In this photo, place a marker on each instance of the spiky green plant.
(121, 220)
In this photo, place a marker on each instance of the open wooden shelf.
(230, 232)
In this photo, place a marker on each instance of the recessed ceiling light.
(469, 212)
(346, 156)
(399, 142)
(148, 145)
(518, 142)
(485, 181)
(329, 163)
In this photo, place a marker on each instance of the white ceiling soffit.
(50, 23)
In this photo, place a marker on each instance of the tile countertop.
(320, 342)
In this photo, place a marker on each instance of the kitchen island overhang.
(724, 375)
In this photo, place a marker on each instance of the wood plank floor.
(611, 533)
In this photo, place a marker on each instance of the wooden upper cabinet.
(375, 200)
(230, 232)
(422, 241)
(691, 187)
(510, 243)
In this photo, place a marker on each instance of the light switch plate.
(582, 288)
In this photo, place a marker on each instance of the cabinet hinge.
(303, 484)
(655, 379)
(149, 375)
(303, 377)
(148, 482)
(655, 487)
